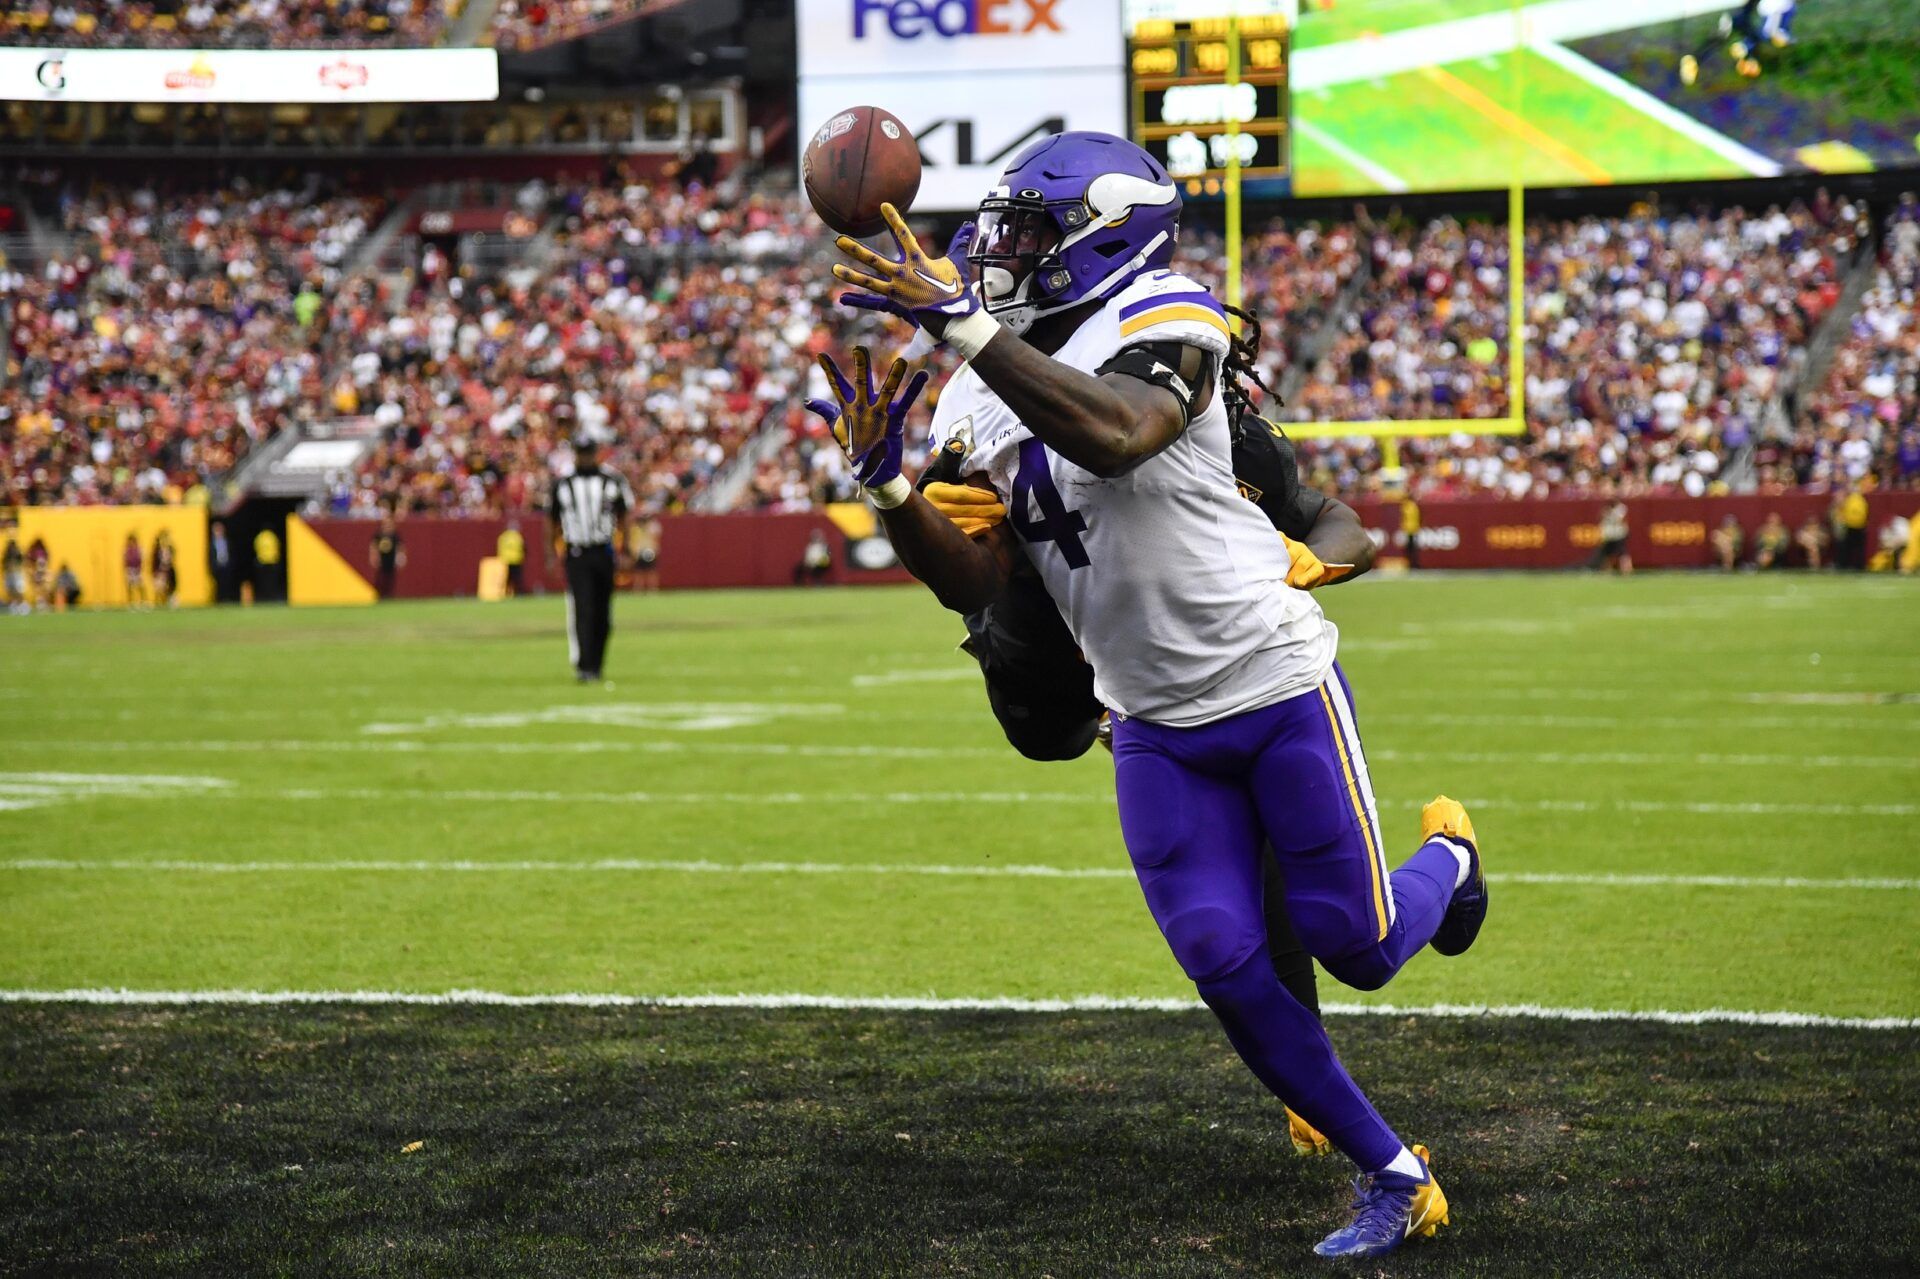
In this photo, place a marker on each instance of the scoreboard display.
(1181, 103)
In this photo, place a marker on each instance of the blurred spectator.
(511, 547)
(135, 564)
(386, 556)
(1614, 557)
(1771, 543)
(163, 573)
(189, 24)
(222, 565)
(1850, 531)
(1727, 541)
(816, 561)
(266, 566)
(1813, 540)
(644, 539)
(66, 589)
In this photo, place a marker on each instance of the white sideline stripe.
(1730, 808)
(702, 866)
(1383, 177)
(691, 797)
(1634, 96)
(407, 746)
(930, 1004)
(1654, 758)
(1799, 723)
(403, 746)
(1103, 797)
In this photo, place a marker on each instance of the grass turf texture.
(1585, 720)
(732, 1142)
(652, 1142)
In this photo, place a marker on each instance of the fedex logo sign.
(947, 19)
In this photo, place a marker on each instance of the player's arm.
(1324, 535)
(1338, 542)
(964, 573)
(1106, 424)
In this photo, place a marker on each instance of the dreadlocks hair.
(1243, 371)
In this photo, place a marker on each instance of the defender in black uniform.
(589, 516)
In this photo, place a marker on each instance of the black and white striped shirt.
(588, 505)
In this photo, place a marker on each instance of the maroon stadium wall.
(1664, 532)
(443, 555)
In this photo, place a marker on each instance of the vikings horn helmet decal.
(1076, 216)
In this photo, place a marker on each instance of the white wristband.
(891, 494)
(970, 333)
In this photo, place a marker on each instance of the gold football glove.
(931, 291)
(1308, 571)
(975, 510)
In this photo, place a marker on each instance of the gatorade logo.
(949, 19)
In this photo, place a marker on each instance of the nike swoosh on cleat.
(945, 286)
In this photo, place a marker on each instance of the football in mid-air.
(858, 160)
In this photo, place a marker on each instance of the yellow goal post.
(1393, 430)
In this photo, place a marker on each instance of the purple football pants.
(1196, 805)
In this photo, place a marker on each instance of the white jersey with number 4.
(1173, 584)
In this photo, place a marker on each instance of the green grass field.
(1694, 793)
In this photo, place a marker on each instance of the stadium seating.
(176, 330)
(1865, 418)
(201, 24)
(529, 24)
(182, 326)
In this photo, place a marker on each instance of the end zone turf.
(568, 1141)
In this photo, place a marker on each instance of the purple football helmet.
(1075, 217)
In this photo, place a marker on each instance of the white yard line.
(1639, 99)
(1656, 759)
(702, 866)
(1694, 723)
(1484, 36)
(403, 746)
(412, 746)
(1379, 174)
(886, 1003)
(1103, 797)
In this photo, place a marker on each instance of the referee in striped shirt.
(589, 518)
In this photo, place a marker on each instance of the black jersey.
(1269, 477)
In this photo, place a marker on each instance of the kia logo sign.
(948, 19)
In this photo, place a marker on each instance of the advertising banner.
(249, 75)
(975, 80)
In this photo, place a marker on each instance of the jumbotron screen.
(1425, 95)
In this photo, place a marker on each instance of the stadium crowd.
(177, 329)
(201, 24)
(529, 24)
(1865, 418)
(672, 322)
(292, 24)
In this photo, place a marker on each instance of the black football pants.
(589, 606)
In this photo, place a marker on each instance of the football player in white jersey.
(1094, 408)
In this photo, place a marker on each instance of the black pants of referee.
(589, 606)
